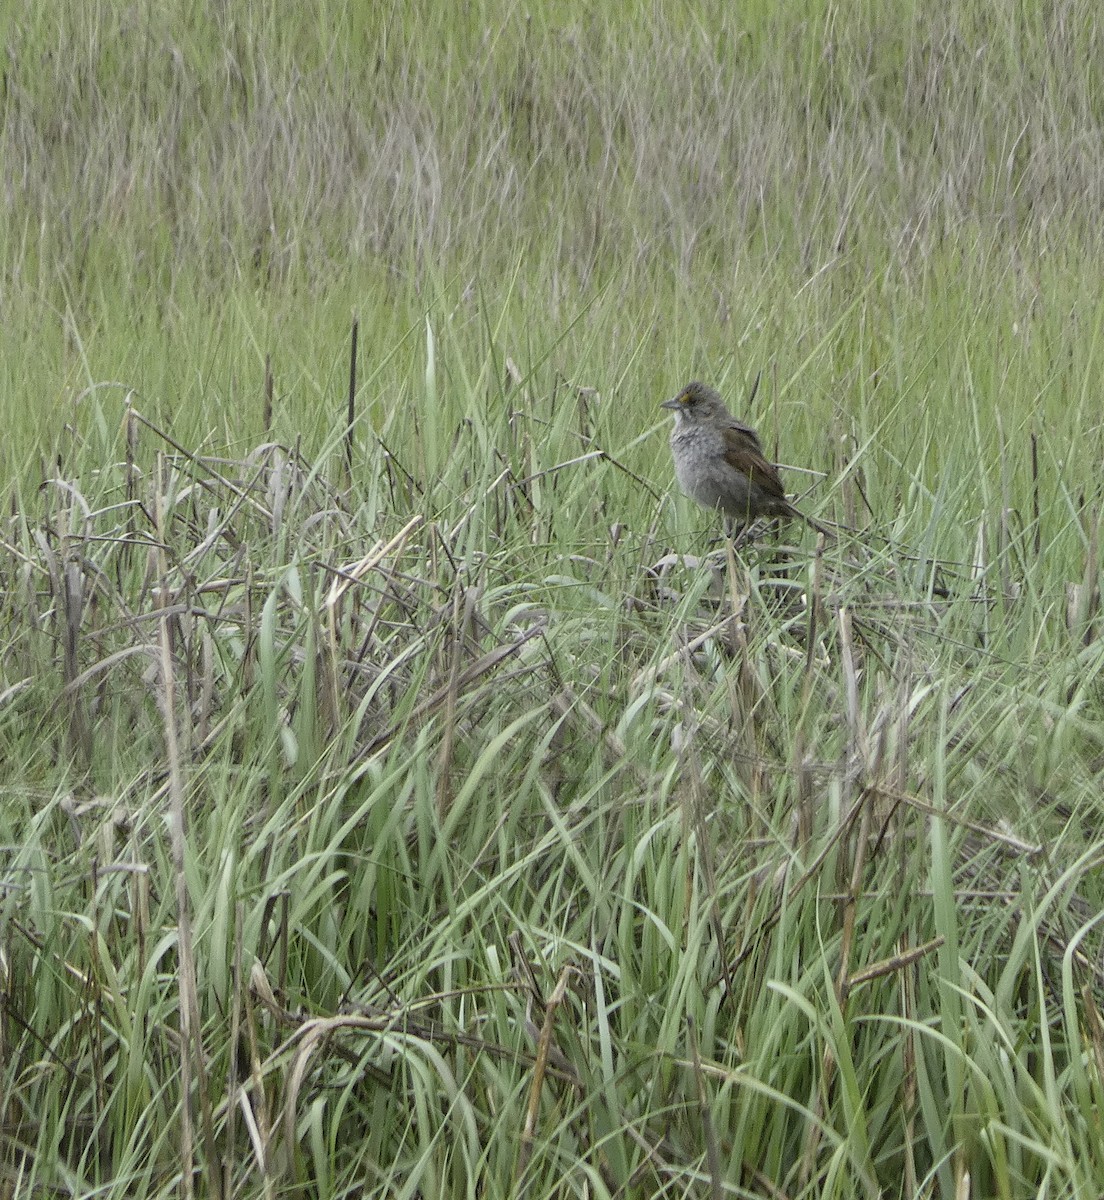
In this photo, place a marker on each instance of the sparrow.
(719, 460)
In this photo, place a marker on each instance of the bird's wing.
(735, 426)
(743, 453)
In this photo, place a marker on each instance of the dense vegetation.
(427, 803)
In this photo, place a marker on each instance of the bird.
(719, 460)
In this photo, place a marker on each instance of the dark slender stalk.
(350, 414)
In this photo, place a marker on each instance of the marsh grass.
(428, 805)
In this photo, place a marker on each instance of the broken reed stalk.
(1091, 582)
(191, 1036)
(188, 1015)
(73, 601)
(544, 1045)
(709, 1134)
(1035, 493)
(350, 412)
(444, 761)
(266, 415)
(236, 989)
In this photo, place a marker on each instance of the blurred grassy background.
(894, 211)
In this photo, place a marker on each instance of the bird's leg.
(738, 532)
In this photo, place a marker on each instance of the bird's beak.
(675, 403)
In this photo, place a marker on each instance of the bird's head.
(695, 403)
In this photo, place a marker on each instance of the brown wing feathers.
(743, 453)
